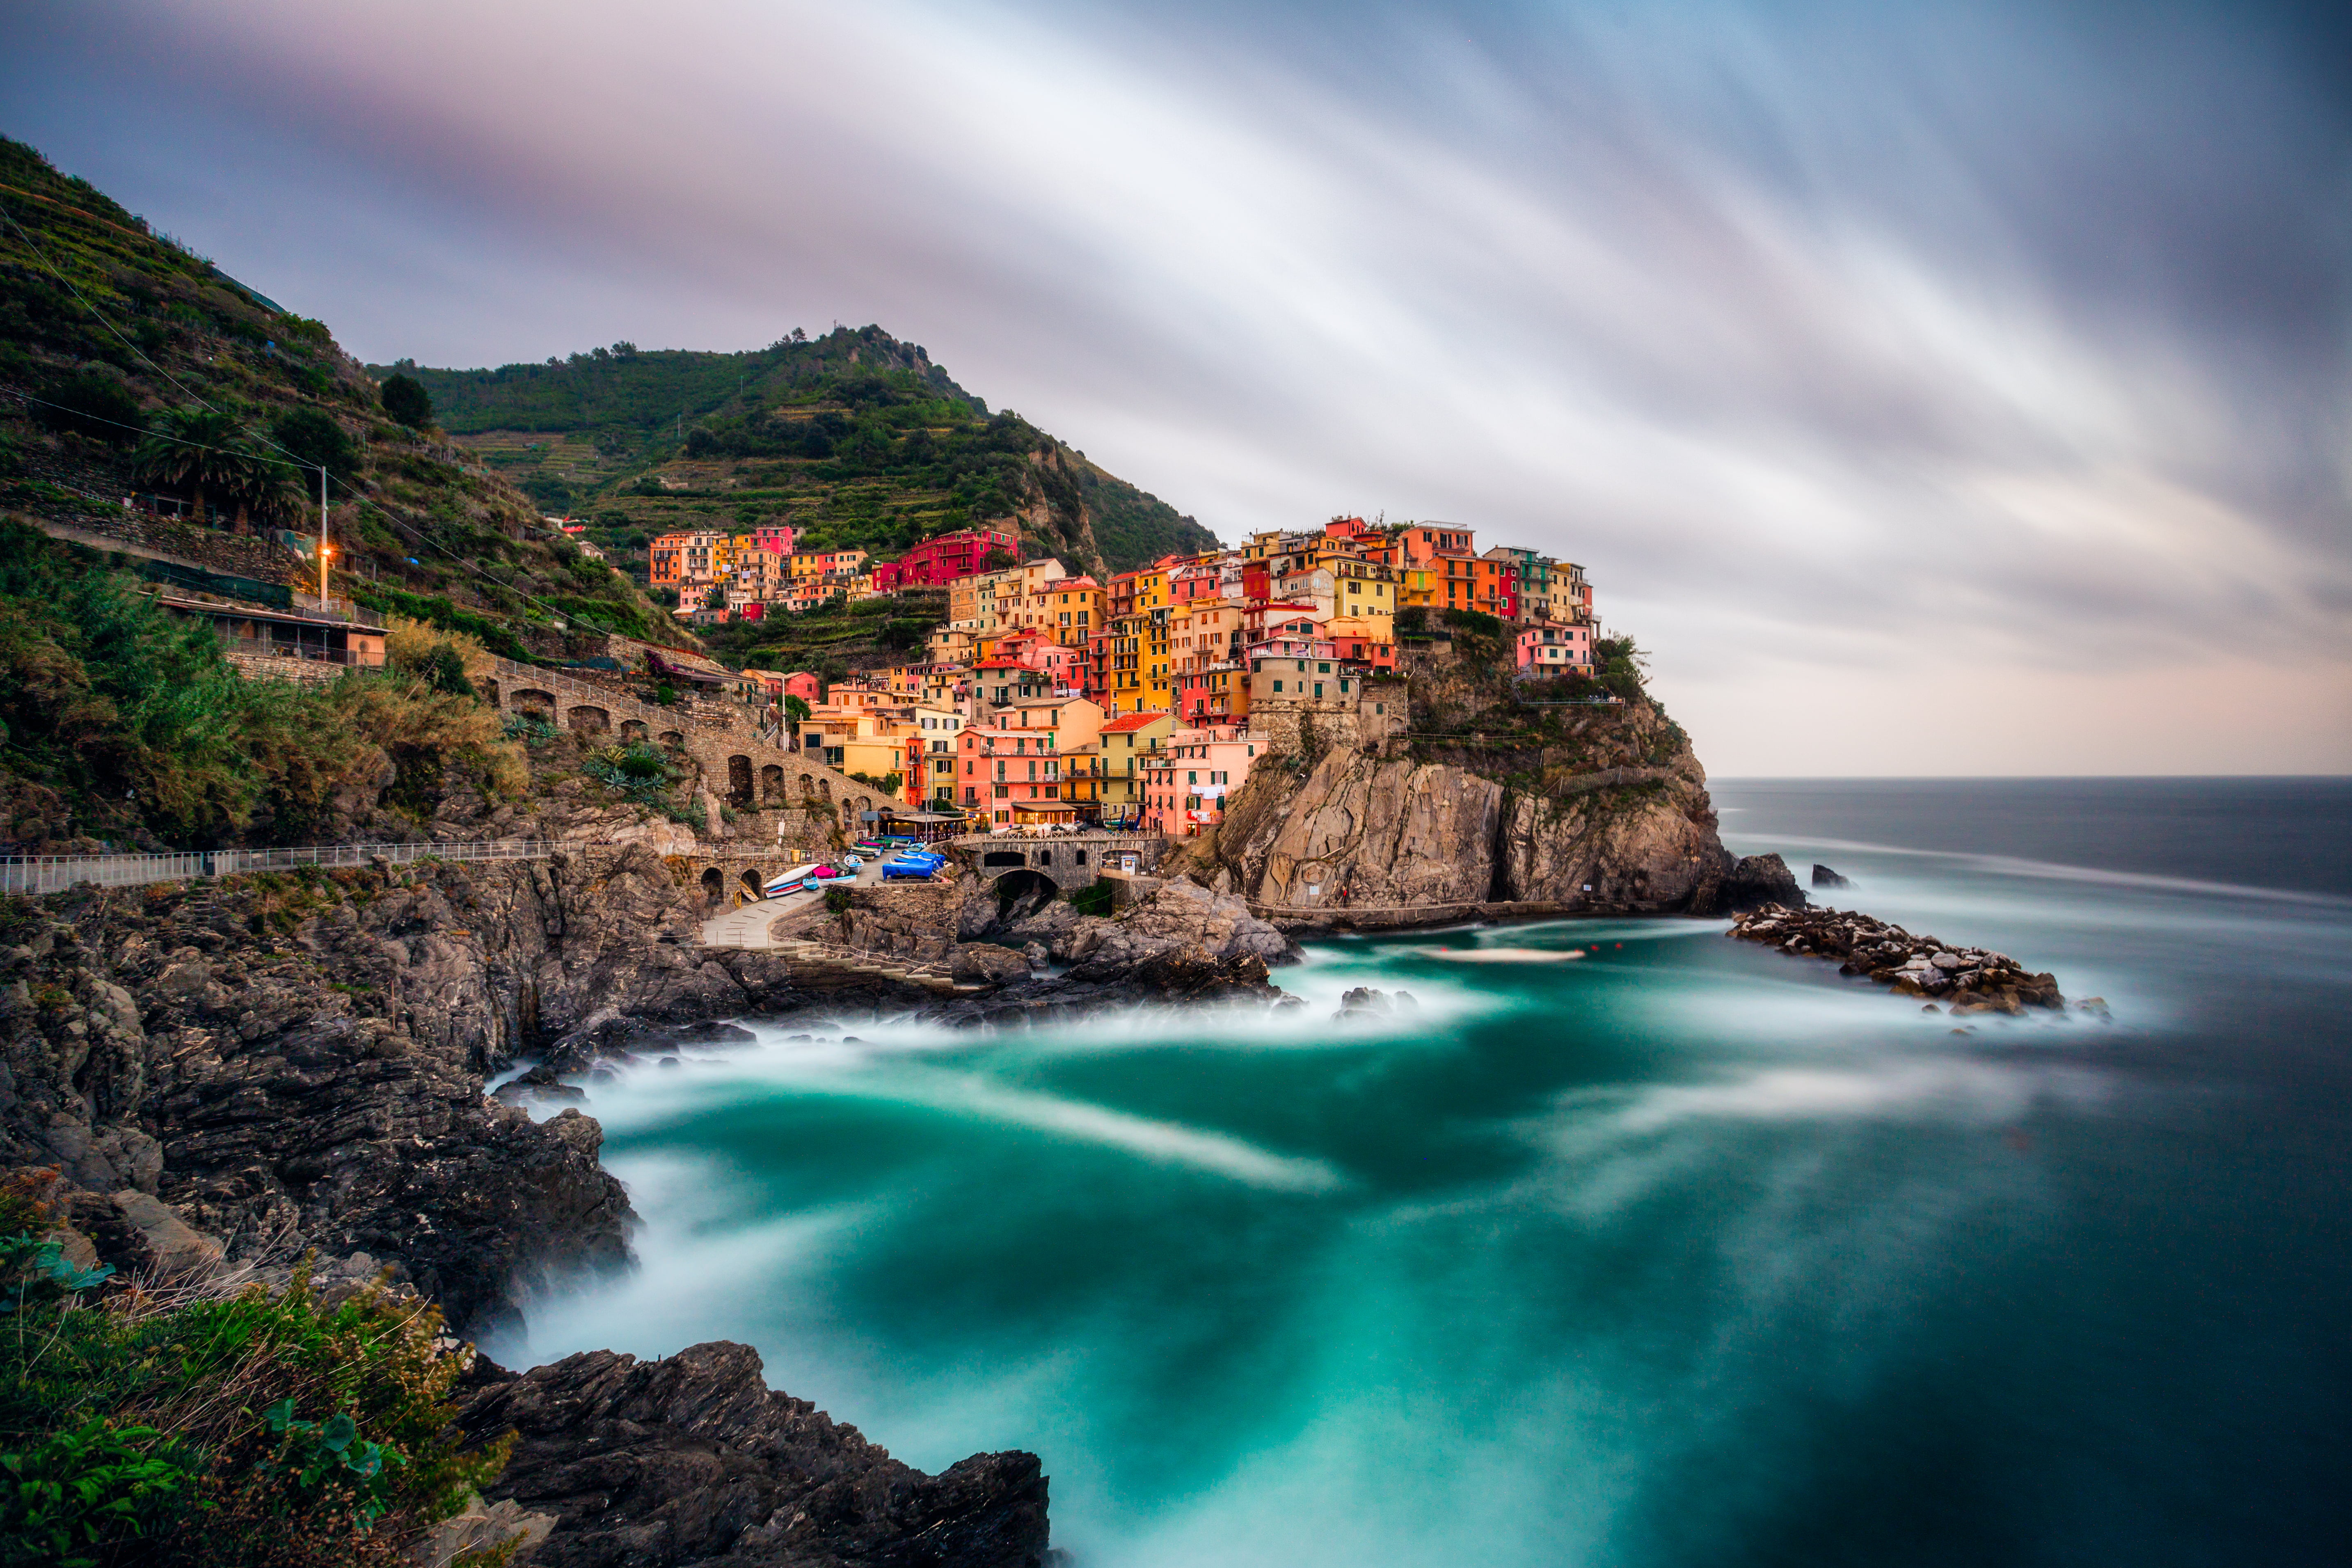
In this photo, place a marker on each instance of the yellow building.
(1074, 610)
(1128, 741)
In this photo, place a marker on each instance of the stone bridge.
(751, 770)
(1069, 860)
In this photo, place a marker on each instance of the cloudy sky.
(1949, 388)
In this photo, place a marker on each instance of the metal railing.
(56, 873)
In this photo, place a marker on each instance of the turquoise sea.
(1676, 1251)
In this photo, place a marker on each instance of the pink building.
(1556, 650)
(1202, 767)
(804, 686)
(1013, 776)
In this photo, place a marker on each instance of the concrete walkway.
(752, 925)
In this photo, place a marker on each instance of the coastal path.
(56, 873)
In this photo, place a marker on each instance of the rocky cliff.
(1488, 798)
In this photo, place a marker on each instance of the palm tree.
(212, 455)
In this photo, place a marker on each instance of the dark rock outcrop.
(1754, 880)
(1825, 878)
(692, 1459)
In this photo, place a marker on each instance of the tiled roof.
(1132, 721)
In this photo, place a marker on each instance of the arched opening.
(1044, 857)
(751, 879)
(771, 785)
(739, 779)
(537, 704)
(673, 740)
(1020, 894)
(1082, 857)
(589, 721)
(808, 786)
(714, 887)
(825, 790)
(490, 692)
(633, 729)
(1002, 858)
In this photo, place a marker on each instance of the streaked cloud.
(1960, 390)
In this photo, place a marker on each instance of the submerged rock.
(1825, 878)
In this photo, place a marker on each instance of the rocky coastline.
(225, 1077)
(1969, 979)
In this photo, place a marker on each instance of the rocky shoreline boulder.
(692, 1459)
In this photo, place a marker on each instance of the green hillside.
(110, 331)
(854, 438)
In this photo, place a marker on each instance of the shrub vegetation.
(252, 1428)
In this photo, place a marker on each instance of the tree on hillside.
(210, 456)
(405, 399)
(315, 440)
(93, 404)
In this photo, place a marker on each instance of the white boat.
(785, 881)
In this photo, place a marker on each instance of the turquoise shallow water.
(1678, 1251)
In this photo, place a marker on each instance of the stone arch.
(714, 887)
(771, 785)
(673, 740)
(808, 786)
(1020, 894)
(825, 790)
(739, 779)
(633, 729)
(1003, 858)
(1082, 857)
(537, 704)
(752, 881)
(490, 692)
(589, 719)
(1045, 857)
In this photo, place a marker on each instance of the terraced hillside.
(854, 438)
(109, 330)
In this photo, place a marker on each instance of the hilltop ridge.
(856, 439)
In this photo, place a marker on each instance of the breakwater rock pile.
(1972, 979)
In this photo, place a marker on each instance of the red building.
(937, 561)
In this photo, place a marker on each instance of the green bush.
(636, 771)
(405, 399)
(1093, 899)
(93, 404)
(315, 440)
(263, 1428)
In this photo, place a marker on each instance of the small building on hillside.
(1554, 650)
(296, 643)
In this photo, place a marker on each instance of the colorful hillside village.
(1141, 703)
